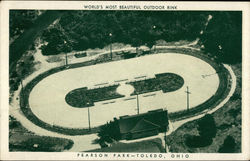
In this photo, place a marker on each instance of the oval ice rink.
(47, 98)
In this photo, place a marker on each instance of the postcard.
(123, 80)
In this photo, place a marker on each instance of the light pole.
(154, 28)
(66, 59)
(165, 134)
(23, 71)
(110, 36)
(88, 116)
(137, 100)
(188, 93)
(21, 82)
(66, 56)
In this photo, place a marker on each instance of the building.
(143, 125)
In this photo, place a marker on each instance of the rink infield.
(47, 98)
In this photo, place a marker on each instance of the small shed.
(143, 125)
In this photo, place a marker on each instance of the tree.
(207, 127)
(14, 74)
(88, 29)
(207, 131)
(228, 145)
(197, 141)
(222, 36)
(109, 132)
(21, 20)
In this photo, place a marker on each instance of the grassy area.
(20, 139)
(228, 123)
(83, 97)
(167, 82)
(20, 142)
(147, 146)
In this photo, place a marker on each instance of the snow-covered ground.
(47, 99)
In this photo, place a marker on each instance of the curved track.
(47, 98)
(83, 143)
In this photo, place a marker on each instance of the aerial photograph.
(125, 81)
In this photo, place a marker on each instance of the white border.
(78, 5)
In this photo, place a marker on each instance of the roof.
(143, 122)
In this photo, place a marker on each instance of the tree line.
(81, 30)
(91, 29)
(222, 37)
